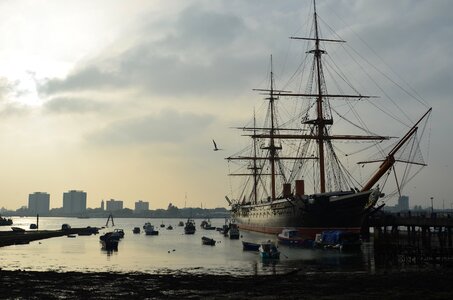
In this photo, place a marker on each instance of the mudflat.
(418, 284)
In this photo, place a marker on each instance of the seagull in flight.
(215, 146)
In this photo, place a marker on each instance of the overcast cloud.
(165, 127)
(113, 75)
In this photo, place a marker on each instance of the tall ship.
(294, 172)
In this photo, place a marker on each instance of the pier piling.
(412, 239)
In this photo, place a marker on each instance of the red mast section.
(389, 161)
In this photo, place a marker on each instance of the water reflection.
(109, 252)
(269, 265)
(171, 252)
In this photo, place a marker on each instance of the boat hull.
(189, 230)
(151, 232)
(268, 251)
(5, 222)
(109, 245)
(248, 246)
(208, 241)
(296, 242)
(337, 239)
(309, 215)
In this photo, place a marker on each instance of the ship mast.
(320, 131)
(319, 123)
(255, 167)
(272, 148)
(390, 159)
(319, 106)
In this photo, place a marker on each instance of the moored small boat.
(93, 230)
(189, 228)
(149, 229)
(109, 245)
(136, 230)
(18, 229)
(268, 250)
(119, 232)
(5, 221)
(338, 239)
(109, 236)
(224, 230)
(89, 231)
(292, 237)
(248, 246)
(109, 241)
(206, 224)
(233, 231)
(208, 241)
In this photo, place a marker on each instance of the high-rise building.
(403, 203)
(74, 202)
(102, 205)
(141, 206)
(38, 203)
(114, 205)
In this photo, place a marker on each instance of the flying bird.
(215, 146)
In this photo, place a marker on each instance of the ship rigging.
(286, 151)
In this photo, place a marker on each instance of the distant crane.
(215, 146)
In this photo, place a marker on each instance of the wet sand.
(422, 284)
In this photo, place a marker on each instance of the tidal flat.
(414, 284)
(173, 265)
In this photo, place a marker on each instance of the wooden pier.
(412, 239)
(8, 238)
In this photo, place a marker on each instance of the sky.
(121, 99)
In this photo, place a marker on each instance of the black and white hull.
(309, 214)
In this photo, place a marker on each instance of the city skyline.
(403, 203)
(124, 99)
(130, 202)
(36, 199)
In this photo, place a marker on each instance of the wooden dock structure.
(413, 239)
(8, 238)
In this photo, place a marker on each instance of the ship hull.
(309, 214)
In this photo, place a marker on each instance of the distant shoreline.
(172, 213)
(419, 284)
(121, 217)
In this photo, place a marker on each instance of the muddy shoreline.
(426, 284)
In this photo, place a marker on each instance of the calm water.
(170, 252)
